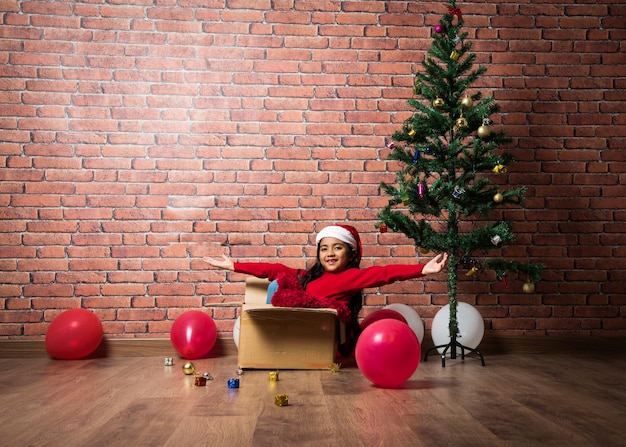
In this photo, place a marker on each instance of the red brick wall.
(139, 135)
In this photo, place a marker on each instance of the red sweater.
(339, 286)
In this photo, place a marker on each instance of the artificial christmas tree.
(449, 182)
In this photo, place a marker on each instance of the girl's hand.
(225, 263)
(436, 264)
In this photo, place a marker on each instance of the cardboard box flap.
(256, 290)
(261, 309)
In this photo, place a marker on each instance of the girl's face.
(334, 255)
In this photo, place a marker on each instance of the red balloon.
(388, 353)
(382, 314)
(73, 334)
(193, 334)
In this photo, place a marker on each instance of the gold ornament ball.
(438, 103)
(499, 169)
(461, 122)
(189, 368)
(528, 287)
(483, 131)
(424, 251)
(498, 197)
(467, 102)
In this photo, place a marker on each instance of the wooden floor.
(533, 399)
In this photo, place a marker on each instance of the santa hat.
(345, 233)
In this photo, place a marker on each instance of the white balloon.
(470, 323)
(412, 318)
(236, 331)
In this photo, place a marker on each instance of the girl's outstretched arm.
(436, 264)
(225, 263)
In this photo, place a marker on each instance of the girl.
(335, 281)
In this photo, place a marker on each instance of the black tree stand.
(453, 324)
(450, 346)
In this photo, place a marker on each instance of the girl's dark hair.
(353, 328)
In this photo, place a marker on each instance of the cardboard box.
(284, 337)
